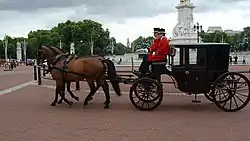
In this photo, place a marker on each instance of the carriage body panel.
(197, 73)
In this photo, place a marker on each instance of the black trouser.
(144, 67)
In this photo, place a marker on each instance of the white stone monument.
(18, 51)
(183, 32)
(72, 48)
(25, 50)
(6, 48)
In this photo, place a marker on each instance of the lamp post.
(25, 51)
(245, 42)
(198, 29)
(6, 47)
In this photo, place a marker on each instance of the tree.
(142, 42)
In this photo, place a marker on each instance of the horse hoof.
(77, 98)
(85, 104)
(53, 104)
(59, 102)
(90, 98)
(106, 107)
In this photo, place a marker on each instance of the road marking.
(123, 92)
(15, 88)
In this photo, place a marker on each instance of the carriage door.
(196, 70)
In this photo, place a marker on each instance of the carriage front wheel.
(146, 94)
(231, 91)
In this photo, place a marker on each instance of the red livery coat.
(153, 47)
(162, 50)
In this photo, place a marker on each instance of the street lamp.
(245, 42)
(198, 29)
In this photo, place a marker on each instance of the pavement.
(26, 115)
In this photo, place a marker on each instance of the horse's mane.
(53, 50)
(59, 49)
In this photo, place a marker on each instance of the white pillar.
(18, 51)
(24, 50)
(6, 48)
(60, 44)
(112, 47)
(92, 46)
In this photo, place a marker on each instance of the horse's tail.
(112, 75)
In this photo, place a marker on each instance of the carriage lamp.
(198, 29)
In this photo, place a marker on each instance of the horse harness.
(65, 62)
(64, 69)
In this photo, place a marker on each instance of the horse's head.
(45, 53)
(41, 56)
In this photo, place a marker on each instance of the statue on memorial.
(185, 1)
(72, 48)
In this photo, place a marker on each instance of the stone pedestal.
(18, 51)
(183, 32)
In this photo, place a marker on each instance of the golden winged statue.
(184, 1)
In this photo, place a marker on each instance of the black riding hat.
(161, 31)
(156, 30)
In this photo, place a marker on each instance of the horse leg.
(93, 90)
(105, 88)
(62, 95)
(57, 91)
(64, 98)
(60, 89)
(71, 93)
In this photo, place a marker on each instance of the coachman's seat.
(159, 68)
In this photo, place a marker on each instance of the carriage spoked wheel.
(209, 96)
(231, 91)
(146, 94)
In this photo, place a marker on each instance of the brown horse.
(71, 69)
(91, 84)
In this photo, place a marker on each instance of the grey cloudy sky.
(124, 18)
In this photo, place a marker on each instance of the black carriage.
(201, 68)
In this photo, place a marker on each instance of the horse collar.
(56, 59)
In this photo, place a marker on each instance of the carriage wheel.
(231, 92)
(209, 96)
(146, 94)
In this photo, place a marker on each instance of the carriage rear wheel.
(146, 94)
(209, 96)
(231, 91)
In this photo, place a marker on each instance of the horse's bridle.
(53, 60)
(42, 51)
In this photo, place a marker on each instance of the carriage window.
(192, 56)
(176, 60)
(197, 57)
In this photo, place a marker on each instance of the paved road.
(18, 76)
(27, 116)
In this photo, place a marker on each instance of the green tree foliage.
(80, 33)
(239, 42)
(142, 42)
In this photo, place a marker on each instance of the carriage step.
(196, 99)
(128, 81)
